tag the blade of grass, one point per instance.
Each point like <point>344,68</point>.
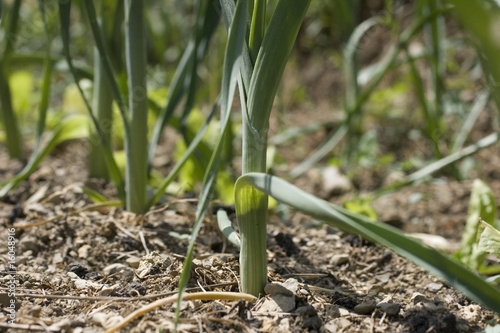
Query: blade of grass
<point>174,96</point>
<point>435,262</point>
<point>448,160</point>
<point>201,7</point>
<point>292,133</point>
<point>442,163</point>
<point>206,21</point>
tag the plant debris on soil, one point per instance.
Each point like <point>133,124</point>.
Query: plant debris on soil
<point>83,267</point>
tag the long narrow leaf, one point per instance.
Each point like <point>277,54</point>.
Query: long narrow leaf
<point>108,68</point>
<point>257,28</point>
<point>271,60</point>
<point>230,75</point>
<point>46,83</point>
<point>189,151</point>
<point>177,88</point>
<point>75,127</point>
<point>64,17</point>
<point>174,96</point>
<point>136,140</point>
<point>433,127</point>
<point>435,262</point>
<point>206,21</point>
<point>365,94</point>
<point>480,17</point>
<point>11,127</point>
<point>351,55</point>
<point>440,164</point>
<point>479,104</point>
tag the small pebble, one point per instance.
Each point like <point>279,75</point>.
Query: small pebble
<point>418,298</point>
<point>334,182</point>
<point>434,287</point>
<point>287,288</point>
<point>390,308</point>
<point>339,259</point>
<point>84,251</point>
<point>29,243</point>
<point>365,307</point>
<point>133,261</point>
<point>125,271</point>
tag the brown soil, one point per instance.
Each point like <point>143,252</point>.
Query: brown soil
<point>77,264</point>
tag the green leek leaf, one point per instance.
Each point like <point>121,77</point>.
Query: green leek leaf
<point>453,271</point>
<point>230,75</point>
<point>64,17</point>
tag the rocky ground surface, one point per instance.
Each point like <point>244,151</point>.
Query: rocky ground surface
<point>84,268</point>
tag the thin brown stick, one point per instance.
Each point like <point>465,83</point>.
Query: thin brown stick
<point>208,296</point>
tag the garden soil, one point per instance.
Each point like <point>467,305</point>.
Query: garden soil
<point>84,268</point>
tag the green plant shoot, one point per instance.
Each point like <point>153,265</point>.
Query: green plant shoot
<point>482,205</point>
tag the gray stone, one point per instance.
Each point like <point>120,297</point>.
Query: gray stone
<point>366,307</point>
<point>125,271</point>
<point>390,308</point>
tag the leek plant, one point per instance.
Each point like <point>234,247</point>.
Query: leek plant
<point>10,124</point>
<point>66,129</point>
<point>252,188</point>
<point>256,60</point>
<point>479,18</point>
<point>270,47</point>
<point>134,114</point>
<point>358,93</point>
<point>136,141</point>
<point>102,100</point>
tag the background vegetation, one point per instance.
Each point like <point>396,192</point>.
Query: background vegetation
<point>119,74</point>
